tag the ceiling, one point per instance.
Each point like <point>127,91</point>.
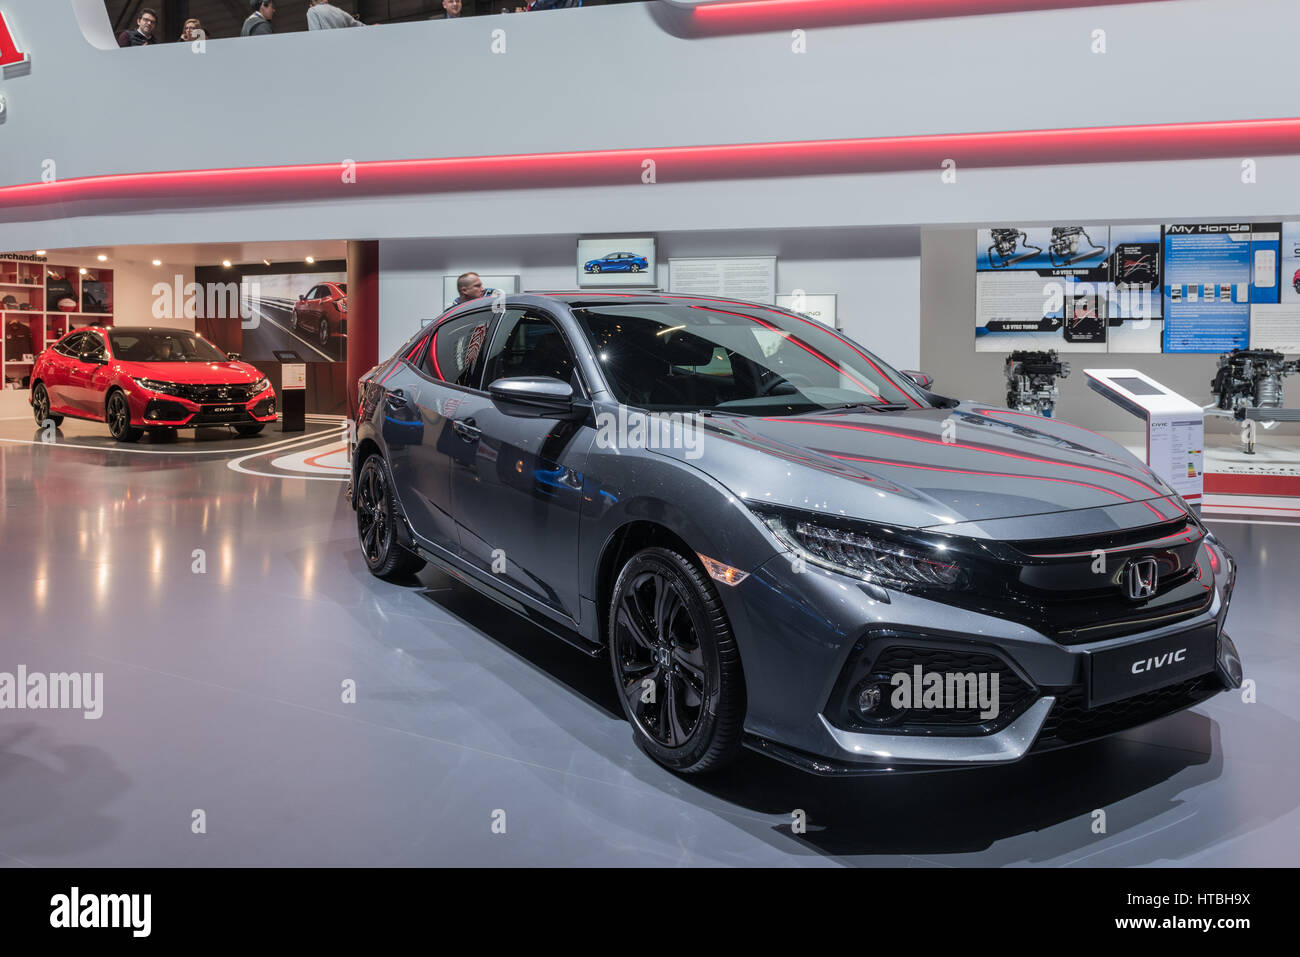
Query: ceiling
<point>203,254</point>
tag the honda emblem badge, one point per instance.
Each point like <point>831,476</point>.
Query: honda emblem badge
<point>1141,577</point>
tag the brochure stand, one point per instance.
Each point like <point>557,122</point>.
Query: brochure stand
<point>1175,426</point>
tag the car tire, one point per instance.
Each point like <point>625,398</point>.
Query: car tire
<point>41,407</point>
<point>293,321</point>
<point>247,431</point>
<point>696,642</point>
<point>596,268</point>
<point>377,518</point>
<point>117,413</point>
<point>323,333</point>
<point>635,268</point>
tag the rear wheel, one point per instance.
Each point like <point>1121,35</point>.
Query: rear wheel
<point>676,664</point>
<point>377,518</point>
<point>118,416</point>
<point>249,430</point>
<point>41,407</point>
<point>323,333</point>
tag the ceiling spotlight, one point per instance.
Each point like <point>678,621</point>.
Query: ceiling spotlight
<point>157,262</point>
<point>266,262</point>
<point>102,258</point>
<point>311,260</point>
<point>226,263</point>
<point>82,270</point>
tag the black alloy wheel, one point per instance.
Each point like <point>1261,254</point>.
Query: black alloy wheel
<point>41,407</point>
<point>293,321</point>
<point>118,415</point>
<point>675,662</point>
<point>323,333</point>
<point>377,523</point>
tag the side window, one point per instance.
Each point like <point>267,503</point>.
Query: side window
<point>456,352</point>
<point>529,344</point>
<point>93,347</point>
<point>313,293</point>
<point>71,346</point>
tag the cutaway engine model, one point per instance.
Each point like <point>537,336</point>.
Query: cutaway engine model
<point>1248,386</point>
<point>1065,246</point>
<point>1003,251</point>
<point>1031,381</point>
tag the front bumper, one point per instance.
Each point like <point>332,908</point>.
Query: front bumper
<point>817,625</point>
<point>160,410</point>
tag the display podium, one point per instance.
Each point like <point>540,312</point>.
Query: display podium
<point>293,397</point>
<point>1175,426</point>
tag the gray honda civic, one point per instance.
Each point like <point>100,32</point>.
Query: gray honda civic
<point>779,541</point>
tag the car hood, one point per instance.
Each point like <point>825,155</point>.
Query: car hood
<point>962,470</point>
<point>193,373</point>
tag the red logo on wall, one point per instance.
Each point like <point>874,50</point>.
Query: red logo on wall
<point>9,52</point>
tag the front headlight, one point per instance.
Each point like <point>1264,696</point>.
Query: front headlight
<point>875,556</point>
<point>260,386</point>
<point>153,385</point>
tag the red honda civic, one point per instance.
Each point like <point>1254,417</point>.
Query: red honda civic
<point>137,378</point>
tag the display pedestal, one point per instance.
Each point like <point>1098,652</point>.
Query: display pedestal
<point>293,397</point>
<point>1175,426</point>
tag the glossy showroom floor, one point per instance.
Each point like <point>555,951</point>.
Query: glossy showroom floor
<point>222,693</point>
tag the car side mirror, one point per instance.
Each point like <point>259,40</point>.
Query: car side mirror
<point>234,356</point>
<point>920,378</point>
<point>533,397</point>
<point>302,298</point>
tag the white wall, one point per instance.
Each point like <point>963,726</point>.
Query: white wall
<point>878,305</point>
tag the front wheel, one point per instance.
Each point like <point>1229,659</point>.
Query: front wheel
<point>118,414</point>
<point>377,518</point>
<point>293,321</point>
<point>676,664</point>
<point>41,407</point>
<point>596,268</point>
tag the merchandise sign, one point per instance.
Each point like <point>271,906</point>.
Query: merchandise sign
<point>293,375</point>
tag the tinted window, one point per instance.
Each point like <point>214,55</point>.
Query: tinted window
<point>93,347</point>
<point>163,345</point>
<point>71,345</point>
<point>455,355</point>
<point>529,344</point>
<point>743,358</point>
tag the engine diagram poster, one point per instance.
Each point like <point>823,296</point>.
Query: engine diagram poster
<point>1209,274</point>
<point>1042,287</point>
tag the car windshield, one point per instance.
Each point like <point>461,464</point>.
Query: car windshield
<point>163,345</point>
<point>750,359</point>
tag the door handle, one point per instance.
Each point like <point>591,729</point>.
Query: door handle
<point>467,430</point>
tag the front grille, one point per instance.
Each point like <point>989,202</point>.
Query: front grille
<point>214,393</point>
<point>1057,587</point>
<point>1014,694</point>
<point>1072,722</point>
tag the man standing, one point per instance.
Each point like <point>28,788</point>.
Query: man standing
<point>470,287</point>
<point>323,15</point>
<point>142,35</point>
<point>258,23</point>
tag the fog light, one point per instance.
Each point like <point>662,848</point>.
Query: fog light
<point>869,699</point>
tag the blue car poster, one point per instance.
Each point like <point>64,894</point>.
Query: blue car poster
<point>617,261</point>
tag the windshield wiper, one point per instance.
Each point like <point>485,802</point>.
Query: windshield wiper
<point>870,406</point>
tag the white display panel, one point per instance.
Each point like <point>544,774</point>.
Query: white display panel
<point>736,277</point>
<point>819,307</point>
<point>1175,426</point>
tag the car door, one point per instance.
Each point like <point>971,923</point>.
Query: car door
<point>517,482</point>
<point>57,373</point>
<point>309,311</point>
<point>422,400</point>
<point>82,372</point>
